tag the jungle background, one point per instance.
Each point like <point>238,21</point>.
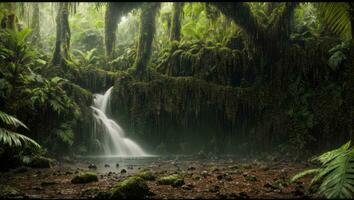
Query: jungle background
<point>271,80</point>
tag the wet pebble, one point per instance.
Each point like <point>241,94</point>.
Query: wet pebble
<point>123,171</point>
<point>92,166</point>
<point>214,189</point>
<point>107,165</point>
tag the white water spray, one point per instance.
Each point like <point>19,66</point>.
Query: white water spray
<point>114,142</point>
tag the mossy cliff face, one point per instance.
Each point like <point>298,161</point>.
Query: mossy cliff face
<point>283,107</point>
<point>183,112</point>
<point>217,64</point>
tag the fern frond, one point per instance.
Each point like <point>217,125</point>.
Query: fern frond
<point>336,174</point>
<point>304,173</point>
<point>15,139</point>
<point>10,120</point>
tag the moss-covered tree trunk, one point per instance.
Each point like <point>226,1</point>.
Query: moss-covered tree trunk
<point>111,24</point>
<point>146,36</point>
<point>177,13</point>
<point>9,20</point>
<point>35,35</point>
<point>62,43</point>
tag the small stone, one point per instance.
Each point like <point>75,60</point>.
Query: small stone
<point>123,171</point>
<point>214,188</point>
<point>243,195</point>
<point>219,177</point>
<point>205,174</point>
<point>37,188</point>
<point>234,167</point>
<point>48,183</point>
<point>191,168</point>
<point>21,169</point>
<point>92,166</point>
<point>196,177</point>
<point>107,165</point>
<point>117,165</point>
<point>251,178</point>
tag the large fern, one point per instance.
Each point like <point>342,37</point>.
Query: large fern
<point>336,174</point>
<point>12,138</point>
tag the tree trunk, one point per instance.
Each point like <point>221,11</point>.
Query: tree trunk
<point>35,35</point>
<point>62,44</point>
<point>176,21</point>
<point>111,24</point>
<point>146,36</point>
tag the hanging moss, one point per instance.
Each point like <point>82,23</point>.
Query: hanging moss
<point>153,109</point>
<point>217,64</point>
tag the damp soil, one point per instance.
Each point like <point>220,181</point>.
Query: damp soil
<point>206,179</point>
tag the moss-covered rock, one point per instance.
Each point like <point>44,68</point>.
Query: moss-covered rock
<point>174,180</point>
<point>85,177</point>
<point>131,188</point>
<point>8,191</point>
<point>146,174</point>
<point>40,162</point>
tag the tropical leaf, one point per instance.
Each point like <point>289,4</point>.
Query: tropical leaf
<point>15,139</point>
<point>336,174</point>
<point>10,120</point>
<point>304,173</point>
<point>12,138</point>
<point>336,15</point>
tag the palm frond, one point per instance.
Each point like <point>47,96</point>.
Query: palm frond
<point>10,120</point>
<point>15,139</point>
<point>337,17</point>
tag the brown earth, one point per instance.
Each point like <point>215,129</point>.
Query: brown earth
<point>205,179</point>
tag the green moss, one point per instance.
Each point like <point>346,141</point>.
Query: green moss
<point>174,180</point>
<point>146,174</point>
<point>8,191</point>
<point>85,177</point>
<point>40,162</point>
<point>131,188</point>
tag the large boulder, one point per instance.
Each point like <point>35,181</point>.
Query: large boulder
<point>131,188</point>
<point>174,180</point>
<point>85,177</point>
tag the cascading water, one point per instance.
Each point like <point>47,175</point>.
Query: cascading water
<point>114,140</point>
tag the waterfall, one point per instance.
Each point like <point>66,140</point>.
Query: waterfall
<point>114,140</point>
